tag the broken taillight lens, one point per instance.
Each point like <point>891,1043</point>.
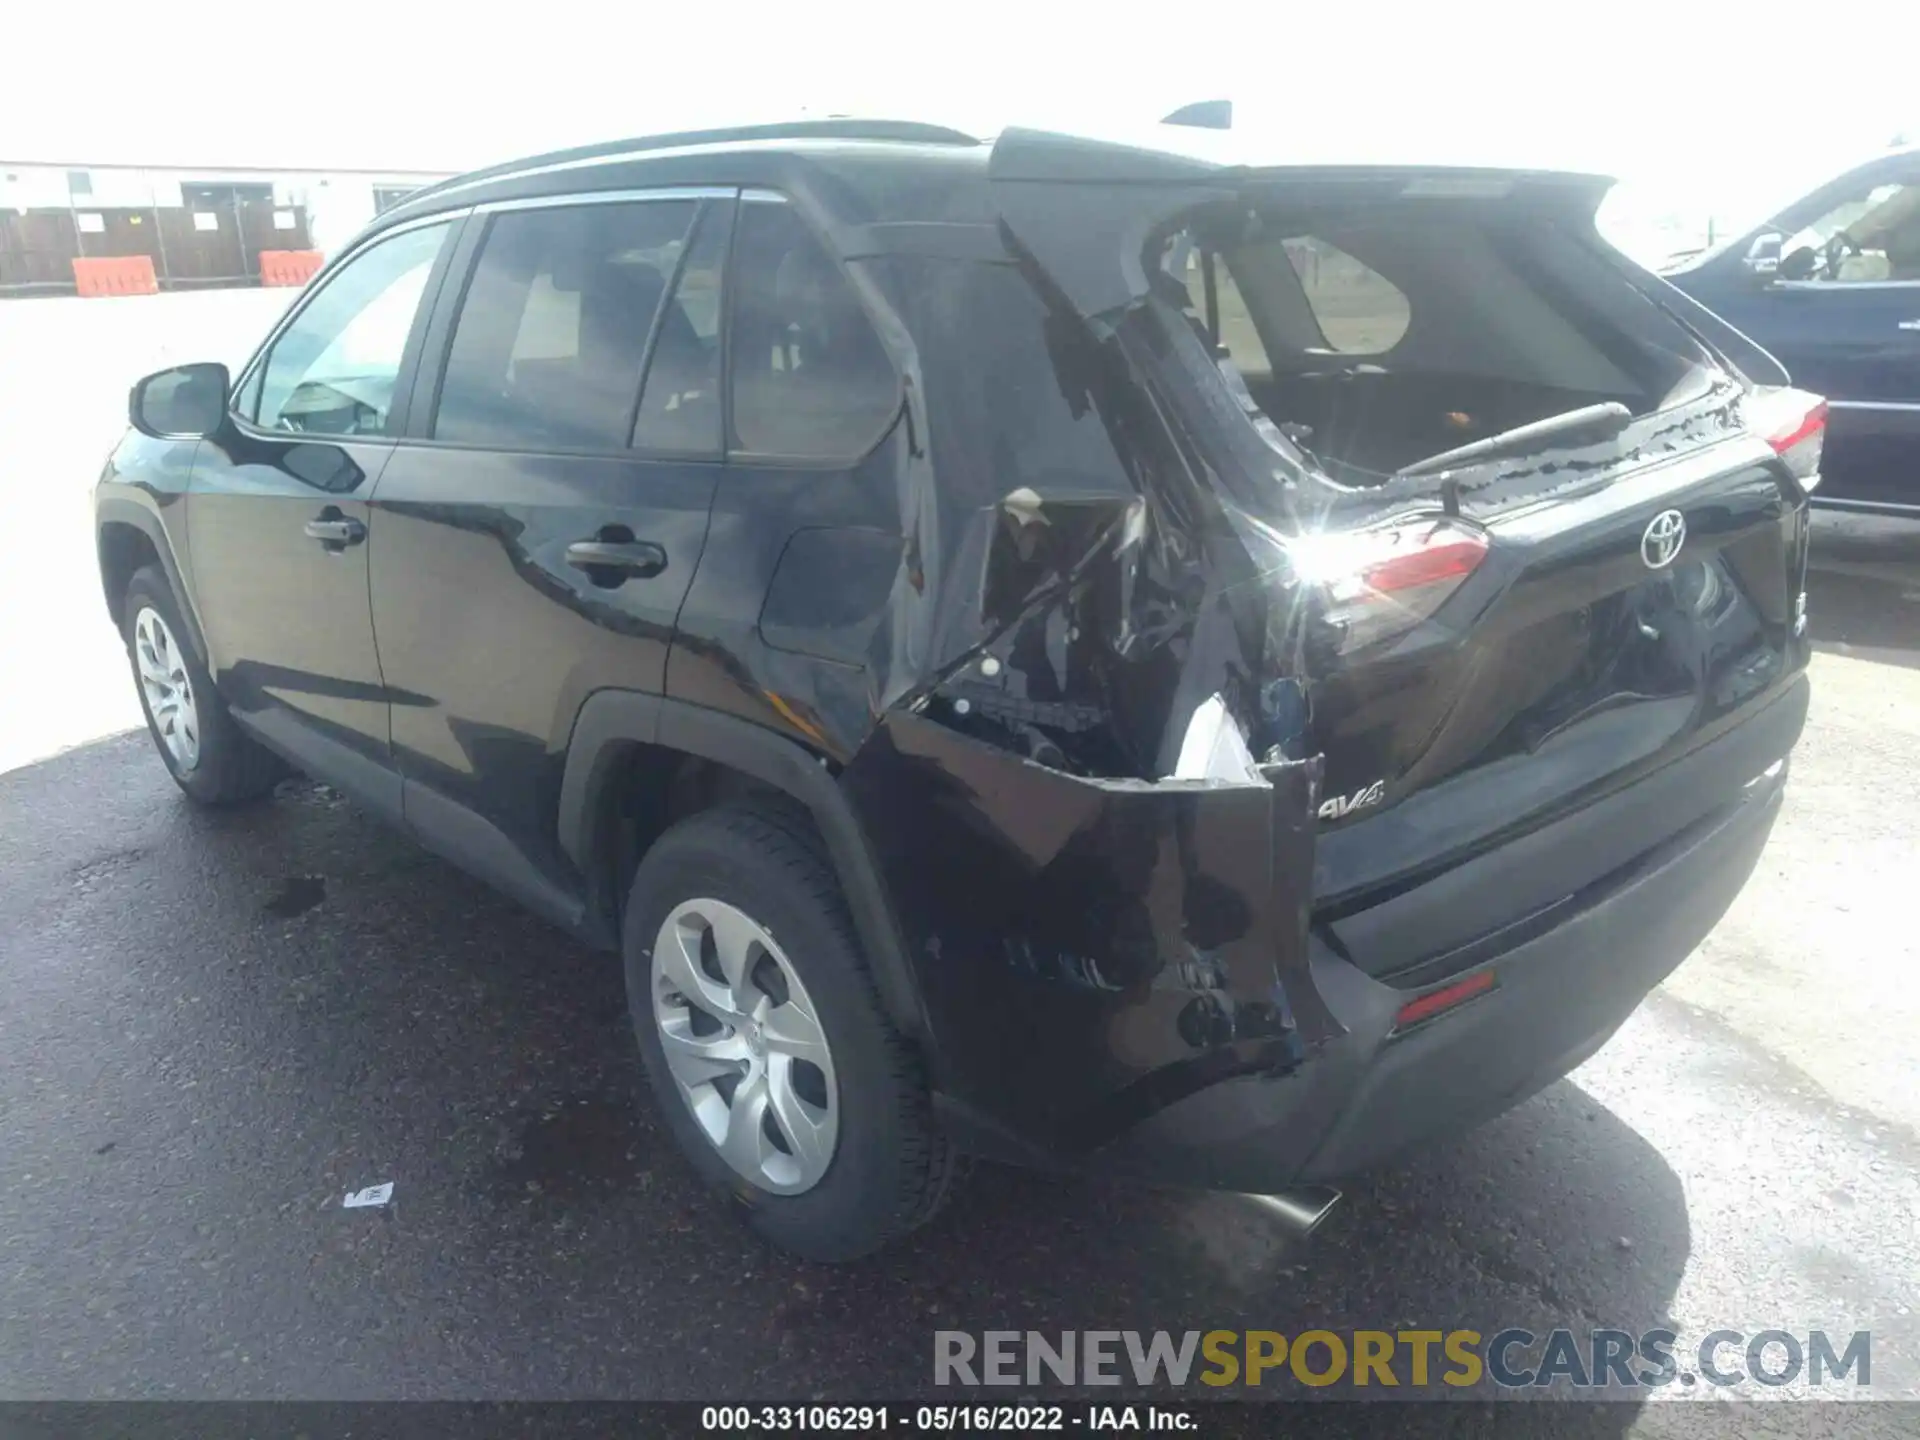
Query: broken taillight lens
<point>1382,582</point>
<point>1795,425</point>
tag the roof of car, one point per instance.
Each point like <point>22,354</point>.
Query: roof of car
<point>868,161</point>
<point>882,170</point>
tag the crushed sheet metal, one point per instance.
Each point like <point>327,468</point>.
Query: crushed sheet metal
<point>1162,924</point>
<point>1075,751</point>
<point>1077,598</point>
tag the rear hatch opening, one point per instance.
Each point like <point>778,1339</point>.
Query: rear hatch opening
<point>1469,442</point>
<point>1475,342</point>
<point>1417,483</point>
<point>1266,647</point>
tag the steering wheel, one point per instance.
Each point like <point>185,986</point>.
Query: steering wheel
<point>1836,251</point>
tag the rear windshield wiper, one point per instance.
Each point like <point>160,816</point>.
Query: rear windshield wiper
<point>1603,421</point>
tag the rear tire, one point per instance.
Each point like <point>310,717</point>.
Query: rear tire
<point>211,759</point>
<point>711,881</point>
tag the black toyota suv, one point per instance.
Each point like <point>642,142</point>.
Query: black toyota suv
<point>1135,656</point>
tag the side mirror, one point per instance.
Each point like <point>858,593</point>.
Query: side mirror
<point>184,403</point>
<point>1763,256</point>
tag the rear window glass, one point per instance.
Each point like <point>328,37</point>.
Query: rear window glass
<point>1349,308</point>
<point>1360,311</point>
<point>1008,407</point>
<point>1376,336</point>
<point>1439,294</point>
<point>811,379</point>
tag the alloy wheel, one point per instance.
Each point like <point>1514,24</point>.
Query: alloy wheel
<point>745,1046</point>
<point>167,687</point>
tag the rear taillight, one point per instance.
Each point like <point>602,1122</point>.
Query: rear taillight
<point>1795,425</point>
<point>1381,582</point>
<point>1447,997</point>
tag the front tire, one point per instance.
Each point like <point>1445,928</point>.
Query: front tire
<point>765,1041</point>
<point>210,758</point>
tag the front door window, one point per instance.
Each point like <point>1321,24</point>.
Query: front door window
<point>1870,237</point>
<point>332,371</point>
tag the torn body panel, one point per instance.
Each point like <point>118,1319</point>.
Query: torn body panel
<point>1083,710</point>
<point>1070,589</point>
<point>1093,949</point>
<point>1025,554</point>
<point>1122,976</point>
<point>1104,893</point>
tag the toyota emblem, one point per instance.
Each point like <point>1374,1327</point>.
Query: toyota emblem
<point>1665,535</point>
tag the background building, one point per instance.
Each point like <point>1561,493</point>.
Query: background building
<point>202,226</point>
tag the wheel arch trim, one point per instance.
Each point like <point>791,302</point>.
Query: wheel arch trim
<point>117,510</point>
<point>612,721</point>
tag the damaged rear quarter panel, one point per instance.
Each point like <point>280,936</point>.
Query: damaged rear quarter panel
<point>1092,949</point>
<point>1092,946</point>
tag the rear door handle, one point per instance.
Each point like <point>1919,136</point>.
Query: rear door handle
<point>637,558</point>
<point>336,530</point>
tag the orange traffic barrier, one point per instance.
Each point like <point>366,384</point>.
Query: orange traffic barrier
<point>115,275</point>
<point>288,267</point>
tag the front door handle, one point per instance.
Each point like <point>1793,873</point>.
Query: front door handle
<point>335,530</point>
<point>639,559</point>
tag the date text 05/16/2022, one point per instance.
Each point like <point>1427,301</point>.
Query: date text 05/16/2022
<point>939,1419</point>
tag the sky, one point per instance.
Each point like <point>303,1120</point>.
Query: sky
<point>1721,108</point>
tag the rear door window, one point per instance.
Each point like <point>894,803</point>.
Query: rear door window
<point>552,333</point>
<point>810,378</point>
<point>680,409</point>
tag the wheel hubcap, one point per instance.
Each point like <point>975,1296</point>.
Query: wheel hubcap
<point>167,688</point>
<point>744,1043</point>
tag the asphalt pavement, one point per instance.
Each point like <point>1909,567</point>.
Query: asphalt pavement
<point>212,1027</point>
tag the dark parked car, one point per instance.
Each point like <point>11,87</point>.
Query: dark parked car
<point>1831,287</point>
<point>1096,655</point>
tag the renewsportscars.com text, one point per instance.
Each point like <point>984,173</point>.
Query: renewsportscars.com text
<point>1511,1359</point>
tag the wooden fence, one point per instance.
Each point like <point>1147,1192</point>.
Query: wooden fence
<point>189,246</point>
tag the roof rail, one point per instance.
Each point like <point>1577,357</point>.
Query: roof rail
<point>832,128</point>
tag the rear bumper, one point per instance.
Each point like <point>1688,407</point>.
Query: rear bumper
<point>1126,977</point>
<point>1372,1093</point>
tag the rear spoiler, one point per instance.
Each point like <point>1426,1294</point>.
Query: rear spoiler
<point>1084,207</point>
